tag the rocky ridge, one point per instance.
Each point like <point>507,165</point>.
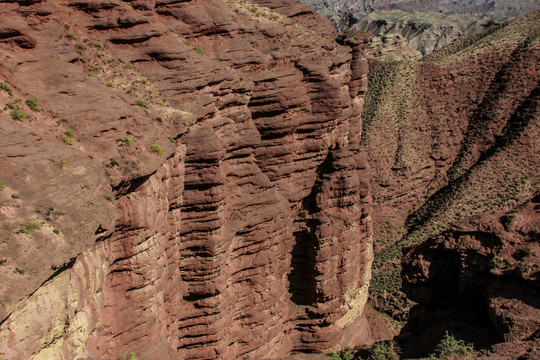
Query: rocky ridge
<point>426,25</point>
<point>184,181</point>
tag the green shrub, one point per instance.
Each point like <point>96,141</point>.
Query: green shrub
<point>71,35</point>
<point>131,356</point>
<point>450,346</point>
<point>19,271</point>
<point>145,81</point>
<point>109,83</point>
<point>385,350</point>
<point>496,262</point>
<point>62,164</point>
<point>156,148</point>
<point>128,66</point>
<point>171,139</point>
<point>18,114</point>
<point>108,197</point>
<point>199,50</point>
<point>335,356</point>
<point>126,141</point>
<point>33,103</point>
<point>141,103</point>
<point>56,231</point>
<point>65,139</point>
<point>6,88</point>
<point>98,44</point>
<point>33,224</point>
<point>70,133</point>
<point>30,225</point>
<point>2,185</point>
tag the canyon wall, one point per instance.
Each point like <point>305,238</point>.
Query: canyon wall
<point>448,137</point>
<point>187,182</point>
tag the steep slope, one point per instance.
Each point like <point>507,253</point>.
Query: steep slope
<point>180,179</point>
<point>453,135</point>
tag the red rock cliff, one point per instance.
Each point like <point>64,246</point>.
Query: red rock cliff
<point>194,176</point>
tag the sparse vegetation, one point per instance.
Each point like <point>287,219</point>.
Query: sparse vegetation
<point>109,83</point>
<point>80,48</point>
<point>385,350</point>
<point>450,347</point>
<point>496,262</point>
<point>33,104</point>
<point>5,88</point>
<point>62,164</point>
<point>141,103</point>
<point>65,139</point>
<point>131,356</point>
<point>71,35</point>
<point>156,148</point>
<point>108,197</point>
<point>30,225</point>
<point>126,141</point>
<point>199,50</point>
<point>2,185</point>
<point>20,271</point>
<point>18,114</point>
<point>335,356</point>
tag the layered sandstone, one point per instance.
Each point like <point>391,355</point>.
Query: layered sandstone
<point>214,202</point>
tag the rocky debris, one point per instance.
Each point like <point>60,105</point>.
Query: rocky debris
<point>479,280</point>
<point>205,158</point>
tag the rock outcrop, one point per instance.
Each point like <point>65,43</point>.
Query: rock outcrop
<point>184,181</point>
<point>479,280</point>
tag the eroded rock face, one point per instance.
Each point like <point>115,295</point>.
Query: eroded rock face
<point>480,280</point>
<point>215,203</point>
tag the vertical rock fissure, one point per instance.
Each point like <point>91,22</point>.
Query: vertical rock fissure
<point>302,284</point>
